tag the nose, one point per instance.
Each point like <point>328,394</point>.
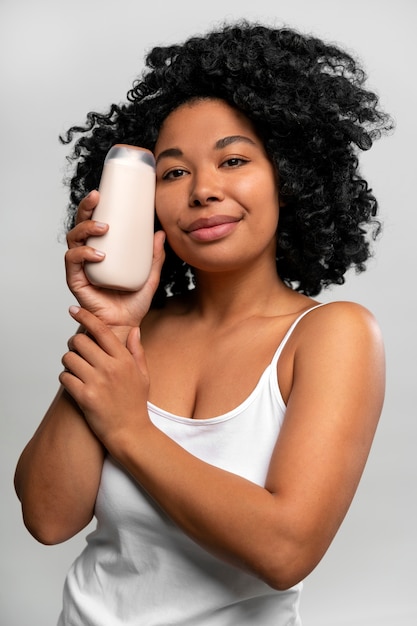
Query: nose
<point>206,188</point>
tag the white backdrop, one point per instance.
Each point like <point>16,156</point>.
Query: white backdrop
<point>62,59</point>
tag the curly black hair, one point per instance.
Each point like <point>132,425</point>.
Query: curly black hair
<point>307,101</point>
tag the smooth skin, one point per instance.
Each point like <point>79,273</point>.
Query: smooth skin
<point>218,201</point>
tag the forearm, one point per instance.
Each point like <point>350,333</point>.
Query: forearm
<point>233,518</point>
<point>228,515</point>
<point>58,473</point>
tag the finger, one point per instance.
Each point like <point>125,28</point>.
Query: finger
<point>87,206</point>
<point>75,258</point>
<point>104,337</point>
<point>78,235</point>
<point>74,266</point>
<point>85,346</point>
<point>71,383</point>
<point>76,365</point>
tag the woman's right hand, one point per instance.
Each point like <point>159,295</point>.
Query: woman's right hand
<point>114,308</point>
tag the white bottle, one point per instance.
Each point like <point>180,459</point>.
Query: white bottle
<point>127,205</point>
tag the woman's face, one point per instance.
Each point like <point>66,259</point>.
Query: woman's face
<point>216,192</point>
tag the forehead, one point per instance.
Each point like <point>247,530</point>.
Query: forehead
<point>203,119</point>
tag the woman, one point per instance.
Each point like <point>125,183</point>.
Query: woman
<point>220,445</point>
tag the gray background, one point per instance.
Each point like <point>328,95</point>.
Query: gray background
<point>62,59</point>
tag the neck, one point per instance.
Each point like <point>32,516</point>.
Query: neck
<point>227,297</point>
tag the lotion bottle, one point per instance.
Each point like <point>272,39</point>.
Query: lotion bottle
<point>127,205</point>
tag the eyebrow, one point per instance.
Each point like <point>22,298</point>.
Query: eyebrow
<point>220,143</point>
<point>170,152</point>
<point>226,141</point>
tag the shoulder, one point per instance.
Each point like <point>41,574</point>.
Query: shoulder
<point>339,320</point>
<point>337,339</point>
<point>343,315</point>
<point>335,364</point>
<point>342,333</point>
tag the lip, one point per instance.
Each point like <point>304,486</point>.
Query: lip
<point>212,228</point>
<point>210,222</point>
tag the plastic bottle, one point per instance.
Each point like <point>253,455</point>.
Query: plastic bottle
<point>127,205</point>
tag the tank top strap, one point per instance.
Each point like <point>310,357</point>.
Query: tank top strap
<point>290,331</point>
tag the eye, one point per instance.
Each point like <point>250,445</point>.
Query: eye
<point>234,162</point>
<point>175,173</point>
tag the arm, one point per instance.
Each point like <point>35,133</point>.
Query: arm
<point>279,532</point>
<point>58,473</point>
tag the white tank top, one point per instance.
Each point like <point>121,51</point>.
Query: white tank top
<point>140,569</point>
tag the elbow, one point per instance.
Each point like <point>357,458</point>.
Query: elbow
<point>282,568</point>
<point>45,539</point>
<point>51,525</point>
<point>52,531</point>
<point>46,534</point>
<point>282,582</point>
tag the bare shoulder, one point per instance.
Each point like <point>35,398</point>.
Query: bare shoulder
<point>339,322</point>
<point>342,310</point>
<point>338,342</point>
<point>331,344</point>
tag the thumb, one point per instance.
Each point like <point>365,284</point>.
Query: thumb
<point>135,348</point>
<point>157,260</point>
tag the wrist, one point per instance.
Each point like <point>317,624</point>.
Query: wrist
<point>128,445</point>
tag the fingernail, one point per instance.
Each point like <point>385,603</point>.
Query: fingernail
<point>74,309</point>
<point>99,253</point>
<point>100,225</point>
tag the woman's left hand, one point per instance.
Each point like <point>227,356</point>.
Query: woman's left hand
<point>108,380</point>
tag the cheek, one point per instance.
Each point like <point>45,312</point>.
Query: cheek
<point>265,195</point>
<point>262,188</point>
